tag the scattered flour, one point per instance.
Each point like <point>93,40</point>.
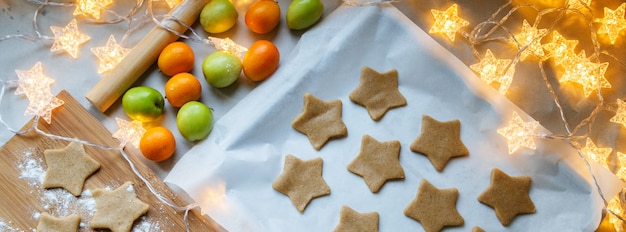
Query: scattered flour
<point>60,203</point>
<point>6,226</point>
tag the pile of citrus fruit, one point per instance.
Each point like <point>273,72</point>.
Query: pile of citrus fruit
<point>220,69</point>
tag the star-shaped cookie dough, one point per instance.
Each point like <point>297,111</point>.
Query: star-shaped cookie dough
<point>353,221</point>
<point>508,196</point>
<point>68,168</point>
<point>439,141</point>
<point>378,92</point>
<point>301,181</point>
<point>48,222</point>
<point>434,208</point>
<point>320,120</point>
<point>377,162</point>
<point>117,209</point>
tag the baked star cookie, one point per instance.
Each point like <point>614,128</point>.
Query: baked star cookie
<point>439,141</point>
<point>434,208</point>
<point>301,181</point>
<point>320,120</point>
<point>377,162</point>
<point>508,196</point>
<point>117,209</point>
<point>353,221</point>
<point>68,168</point>
<point>48,223</point>
<point>378,92</point>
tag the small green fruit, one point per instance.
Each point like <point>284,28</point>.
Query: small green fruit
<point>218,16</point>
<point>194,121</point>
<point>304,13</point>
<point>143,103</point>
<point>221,69</point>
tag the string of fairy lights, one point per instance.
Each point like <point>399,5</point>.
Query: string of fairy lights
<point>587,72</point>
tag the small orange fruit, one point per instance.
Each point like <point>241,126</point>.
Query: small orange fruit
<point>182,88</point>
<point>175,58</point>
<point>157,144</point>
<point>261,60</point>
<point>262,16</point>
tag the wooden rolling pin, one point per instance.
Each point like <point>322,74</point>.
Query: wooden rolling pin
<point>142,56</point>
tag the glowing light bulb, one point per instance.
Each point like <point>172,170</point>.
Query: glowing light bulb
<point>616,206</point>
<point>173,3</point>
<point>560,48</point>
<point>589,75</point>
<point>492,70</point>
<point>530,36</point>
<point>68,39</point>
<point>620,115</point>
<point>36,86</point>
<point>621,173</point>
<point>228,45</point>
<point>578,4</point>
<point>519,133</point>
<point>110,55</point>
<point>129,132</point>
<point>613,22</point>
<point>447,22</point>
<point>599,155</point>
<point>91,7</point>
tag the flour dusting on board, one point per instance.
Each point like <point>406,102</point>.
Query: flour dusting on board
<point>59,202</point>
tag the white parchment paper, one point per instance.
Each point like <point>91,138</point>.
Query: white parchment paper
<point>230,173</point>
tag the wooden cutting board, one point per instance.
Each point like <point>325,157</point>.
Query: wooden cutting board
<point>21,201</point>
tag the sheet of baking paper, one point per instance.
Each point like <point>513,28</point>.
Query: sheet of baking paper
<point>230,173</point>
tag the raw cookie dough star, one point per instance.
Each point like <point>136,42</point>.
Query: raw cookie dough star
<point>301,181</point>
<point>320,120</point>
<point>378,92</point>
<point>434,208</point>
<point>508,196</point>
<point>48,222</point>
<point>377,162</point>
<point>353,221</point>
<point>439,141</point>
<point>117,209</point>
<point>68,168</point>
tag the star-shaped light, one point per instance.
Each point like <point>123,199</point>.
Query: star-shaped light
<point>91,7</point>
<point>228,45</point>
<point>596,154</point>
<point>578,4</point>
<point>560,48</point>
<point>621,173</point>
<point>129,132</point>
<point>490,69</point>
<point>530,36</point>
<point>581,70</point>
<point>68,39</point>
<point>447,22</point>
<point>36,86</point>
<point>519,133</point>
<point>613,22</point>
<point>109,55</point>
<point>620,115</point>
<point>616,205</point>
<point>173,3</point>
